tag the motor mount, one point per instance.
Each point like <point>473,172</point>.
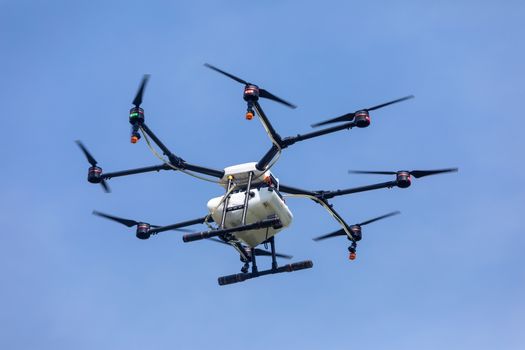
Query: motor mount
<point>95,174</point>
<point>356,232</point>
<point>136,119</point>
<point>250,95</point>
<point>362,119</point>
<point>143,230</point>
<point>403,179</point>
<point>136,116</point>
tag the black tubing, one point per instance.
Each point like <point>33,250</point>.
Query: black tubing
<point>194,236</point>
<point>301,265</point>
<point>238,277</point>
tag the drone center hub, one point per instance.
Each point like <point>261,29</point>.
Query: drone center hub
<point>403,179</point>
<point>95,174</point>
<point>143,230</point>
<point>362,119</point>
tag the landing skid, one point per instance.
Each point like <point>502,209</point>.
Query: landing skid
<point>241,277</point>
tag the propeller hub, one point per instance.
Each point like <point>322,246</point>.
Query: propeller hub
<point>356,232</point>
<point>362,119</point>
<point>251,93</point>
<point>143,230</point>
<point>94,174</point>
<point>403,179</point>
<point>136,116</point>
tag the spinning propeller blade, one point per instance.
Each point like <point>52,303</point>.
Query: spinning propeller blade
<point>415,173</point>
<point>262,92</point>
<point>350,116</point>
<point>105,186</point>
<point>131,223</point>
<point>344,118</point>
<point>372,172</point>
<point>137,101</point>
<point>390,103</point>
<point>231,76</point>
<point>91,160</point>
<point>88,155</point>
<point>420,173</point>
<point>379,218</point>
<point>262,252</point>
<point>342,232</point>
<point>268,95</point>
<point>125,222</point>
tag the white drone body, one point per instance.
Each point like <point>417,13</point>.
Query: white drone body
<point>264,202</point>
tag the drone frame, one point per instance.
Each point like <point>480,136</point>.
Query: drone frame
<point>278,144</point>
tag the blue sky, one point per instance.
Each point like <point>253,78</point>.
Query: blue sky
<point>447,273</point>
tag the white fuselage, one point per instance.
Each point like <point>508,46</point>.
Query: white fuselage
<point>264,202</point>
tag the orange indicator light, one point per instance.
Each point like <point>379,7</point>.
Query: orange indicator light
<point>249,116</point>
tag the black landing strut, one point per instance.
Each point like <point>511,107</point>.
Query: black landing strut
<point>241,277</point>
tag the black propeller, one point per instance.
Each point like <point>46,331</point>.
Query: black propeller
<point>137,101</point>
<point>262,92</point>
<point>356,229</point>
<point>262,252</point>
<point>258,252</point>
<point>96,170</point>
<point>143,228</point>
<point>131,223</point>
<point>397,212</point>
<point>415,173</point>
<point>349,116</point>
<point>125,222</point>
<point>339,232</point>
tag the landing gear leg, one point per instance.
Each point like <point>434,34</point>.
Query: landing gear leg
<point>245,275</point>
<point>245,267</point>
<point>274,259</point>
<point>254,263</point>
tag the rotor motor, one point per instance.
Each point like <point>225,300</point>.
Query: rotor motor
<point>403,179</point>
<point>136,119</point>
<point>95,175</point>
<point>362,119</point>
<point>356,232</point>
<point>143,230</point>
<point>251,95</point>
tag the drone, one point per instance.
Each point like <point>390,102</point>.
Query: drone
<point>252,210</point>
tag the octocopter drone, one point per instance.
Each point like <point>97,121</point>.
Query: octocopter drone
<point>252,210</point>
